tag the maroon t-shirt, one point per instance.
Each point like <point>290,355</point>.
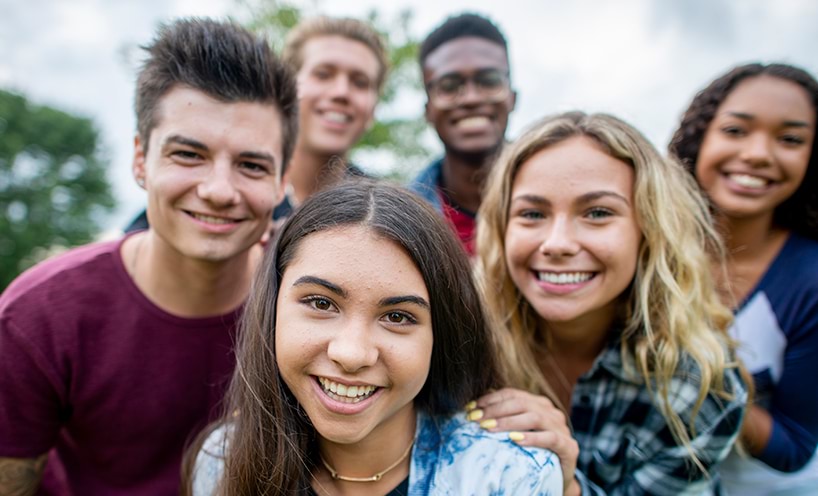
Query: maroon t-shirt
<point>112,386</point>
<point>462,221</point>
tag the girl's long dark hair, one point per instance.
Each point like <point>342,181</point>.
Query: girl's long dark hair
<point>799,213</point>
<point>272,442</point>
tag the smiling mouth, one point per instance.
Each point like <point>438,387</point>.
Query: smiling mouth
<point>474,122</point>
<point>749,181</point>
<point>211,219</point>
<point>345,394</point>
<point>565,278</point>
<point>336,117</point>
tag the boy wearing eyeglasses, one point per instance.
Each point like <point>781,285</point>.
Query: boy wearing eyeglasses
<point>469,96</point>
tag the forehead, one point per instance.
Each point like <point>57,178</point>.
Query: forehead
<point>357,259</point>
<point>465,55</point>
<point>243,125</point>
<point>772,97</point>
<point>339,51</point>
<point>571,168</point>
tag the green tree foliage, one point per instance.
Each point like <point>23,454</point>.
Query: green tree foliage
<point>53,187</point>
<point>395,136</point>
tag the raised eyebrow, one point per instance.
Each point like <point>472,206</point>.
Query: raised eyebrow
<point>596,195</point>
<point>749,117</point>
<point>303,280</point>
<point>184,140</point>
<point>796,124</point>
<point>535,199</point>
<point>397,300</point>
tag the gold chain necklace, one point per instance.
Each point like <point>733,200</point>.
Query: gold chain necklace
<point>335,475</point>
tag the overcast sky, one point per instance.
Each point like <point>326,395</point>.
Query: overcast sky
<point>639,59</point>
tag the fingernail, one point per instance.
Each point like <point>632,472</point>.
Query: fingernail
<point>488,424</point>
<point>516,436</point>
<point>471,405</point>
<point>476,414</point>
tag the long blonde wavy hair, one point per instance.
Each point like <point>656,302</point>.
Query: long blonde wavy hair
<point>671,309</point>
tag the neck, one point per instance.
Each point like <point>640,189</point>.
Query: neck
<point>376,452</point>
<point>579,341</point>
<point>463,177</point>
<point>745,237</point>
<point>311,172</point>
<point>187,287</point>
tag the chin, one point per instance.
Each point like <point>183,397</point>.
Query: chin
<point>474,153</point>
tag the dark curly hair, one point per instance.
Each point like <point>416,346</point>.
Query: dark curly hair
<point>799,213</point>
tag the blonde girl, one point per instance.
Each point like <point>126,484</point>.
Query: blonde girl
<point>595,262</point>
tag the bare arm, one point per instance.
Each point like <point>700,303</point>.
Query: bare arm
<point>20,476</point>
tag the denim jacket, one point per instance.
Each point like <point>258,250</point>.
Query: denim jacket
<point>451,456</point>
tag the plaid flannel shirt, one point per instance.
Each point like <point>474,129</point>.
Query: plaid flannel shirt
<point>625,443</point>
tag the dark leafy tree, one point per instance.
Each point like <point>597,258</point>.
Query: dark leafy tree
<point>54,191</point>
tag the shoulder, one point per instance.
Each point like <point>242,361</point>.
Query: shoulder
<point>467,459</point>
<point>209,465</point>
<point>787,296</point>
<point>64,276</point>
<point>428,177</point>
<point>796,266</point>
<point>717,415</point>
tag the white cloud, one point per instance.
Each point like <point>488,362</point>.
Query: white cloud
<point>640,59</point>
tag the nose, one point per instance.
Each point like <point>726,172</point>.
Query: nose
<point>353,347</point>
<point>217,187</point>
<point>560,239</point>
<point>340,87</point>
<point>756,150</point>
<point>470,94</point>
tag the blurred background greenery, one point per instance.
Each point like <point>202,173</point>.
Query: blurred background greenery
<point>55,190</point>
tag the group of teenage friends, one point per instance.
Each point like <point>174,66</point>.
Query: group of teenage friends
<point>573,312</point>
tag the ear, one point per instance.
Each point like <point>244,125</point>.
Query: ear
<point>513,100</point>
<point>426,110</point>
<point>138,165</point>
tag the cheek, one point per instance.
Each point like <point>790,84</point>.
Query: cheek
<point>417,358</point>
<point>519,245</point>
<point>261,195</point>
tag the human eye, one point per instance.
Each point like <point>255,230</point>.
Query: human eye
<point>185,155</point>
<point>490,79</point>
<point>361,82</point>
<point>319,303</point>
<point>399,317</point>
<point>450,85</point>
<point>530,214</point>
<point>254,168</point>
<point>322,73</point>
<point>792,139</point>
<point>733,130</point>
<point>599,213</point>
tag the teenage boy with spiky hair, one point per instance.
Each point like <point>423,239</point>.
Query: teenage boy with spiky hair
<point>115,354</point>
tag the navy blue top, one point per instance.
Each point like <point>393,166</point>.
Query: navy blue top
<point>777,328</point>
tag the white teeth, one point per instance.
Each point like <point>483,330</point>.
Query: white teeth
<point>336,117</point>
<point>564,277</point>
<point>473,122</point>
<point>211,220</point>
<point>748,181</point>
<point>344,393</point>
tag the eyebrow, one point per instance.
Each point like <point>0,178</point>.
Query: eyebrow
<point>184,140</point>
<point>749,117</point>
<point>397,300</point>
<point>303,280</point>
<point>586,198</point>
